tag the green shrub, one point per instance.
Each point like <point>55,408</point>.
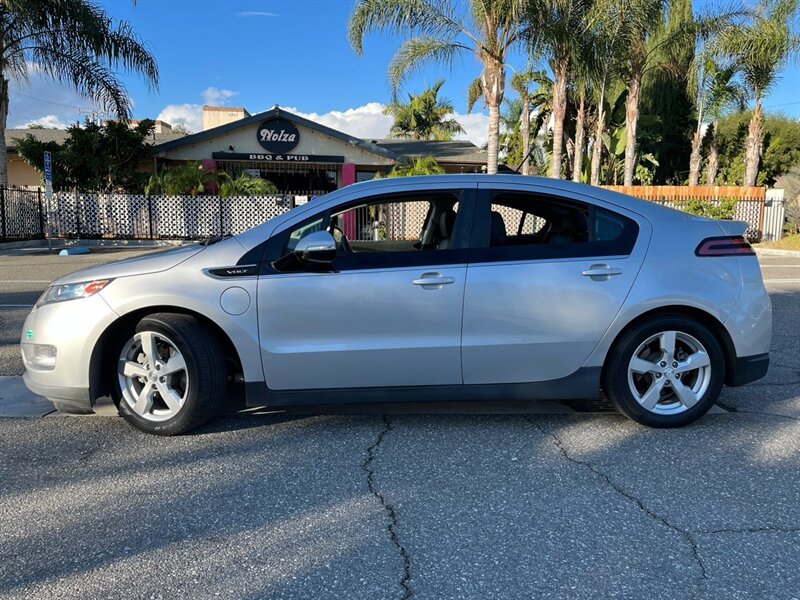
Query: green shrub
<point>723,211</point>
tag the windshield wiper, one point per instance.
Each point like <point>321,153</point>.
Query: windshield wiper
<point>214,239</point>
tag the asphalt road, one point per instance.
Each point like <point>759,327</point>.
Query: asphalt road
<point>429,506</point>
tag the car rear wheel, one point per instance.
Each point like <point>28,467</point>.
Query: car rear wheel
<point>170,374</point>
<point>666,372</point>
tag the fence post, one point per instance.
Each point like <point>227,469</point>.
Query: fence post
<point>150,214</point>
<point>3,211</point>
<point>221,224</point>
<point>78,213</point>
<point>41,212</point>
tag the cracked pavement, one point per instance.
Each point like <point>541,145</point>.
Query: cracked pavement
<point>414,505</point>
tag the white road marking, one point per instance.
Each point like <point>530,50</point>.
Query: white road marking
<point>780,266</point>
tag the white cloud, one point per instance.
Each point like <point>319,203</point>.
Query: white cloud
<point>49,121</point>
<point>476,126</point>
<point>367,122</point>
<point>42,98</point>
<point>214,96</point>
<point>256,13</point>
<point>189,115</point>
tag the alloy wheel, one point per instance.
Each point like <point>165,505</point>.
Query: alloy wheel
<point>669,372</point>
<point>152,376</point>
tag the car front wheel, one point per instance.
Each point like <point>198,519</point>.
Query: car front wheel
<point>170,374</point>
<point>666,372</point>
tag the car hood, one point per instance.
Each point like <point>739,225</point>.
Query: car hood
<point>138,265</point>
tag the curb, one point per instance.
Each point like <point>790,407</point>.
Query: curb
<point>776,252</point>
<point>61,244</point>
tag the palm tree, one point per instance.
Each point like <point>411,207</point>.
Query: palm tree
<point>438,33</point>
<point>606,21</point>
<point>725,92</point>
<point>584,70</point>
<point>424,117</point>
<point>714,89</point>
<point>761,49</point>
<point>520,83</point>
<point>559,35</point>
<point>421,165</point>
<point>75,43</point>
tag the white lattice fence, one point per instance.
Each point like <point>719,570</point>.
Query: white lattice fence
<point>92,215</point>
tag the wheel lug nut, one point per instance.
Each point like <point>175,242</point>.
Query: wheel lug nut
<point>162,379</point>
<point>675,364</point>
<point>663,363</point>
<point>658,375</point>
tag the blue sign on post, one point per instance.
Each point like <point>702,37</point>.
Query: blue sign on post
<point>48,191</point>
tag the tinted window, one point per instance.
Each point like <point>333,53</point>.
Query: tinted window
<point>390,230</point>
<point>518,226</point>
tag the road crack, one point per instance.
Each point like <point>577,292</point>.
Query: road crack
<point>748,530</point>
<point>686,534</point>
<point>388,507</point>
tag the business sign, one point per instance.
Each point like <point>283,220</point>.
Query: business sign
<point>48,194</point>
<point>280,158</point>
<point>278,136</point>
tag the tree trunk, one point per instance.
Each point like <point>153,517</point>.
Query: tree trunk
<point>695,158</point>
<point>631,122</point>
<point>493,81</point>
<point>713,157</point>
<point>752,154</point>
<point>526,136</point>
<point>597,146</point>
<point>577,163</point>
<point>559,114</point>
<point>3,123</point>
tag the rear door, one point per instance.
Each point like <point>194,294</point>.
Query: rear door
<point>547,274</point>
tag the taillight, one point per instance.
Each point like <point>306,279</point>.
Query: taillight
<point>733,245</point>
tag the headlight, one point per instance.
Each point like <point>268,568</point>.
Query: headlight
<point>72,291</point>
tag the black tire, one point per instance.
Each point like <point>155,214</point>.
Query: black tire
<point>205,373</point>
<point>615,374</point>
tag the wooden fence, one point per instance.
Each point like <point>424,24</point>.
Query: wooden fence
<point>749,205</point>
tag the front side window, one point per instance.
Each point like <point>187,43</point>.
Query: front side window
<point>391,230</point>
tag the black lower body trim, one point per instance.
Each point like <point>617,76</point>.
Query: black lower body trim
<point>748,369</point>
<point>584,384</point>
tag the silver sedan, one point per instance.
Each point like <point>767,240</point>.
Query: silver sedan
<point>446,288</point>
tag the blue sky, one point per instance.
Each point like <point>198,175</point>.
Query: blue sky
<point>261,52</point>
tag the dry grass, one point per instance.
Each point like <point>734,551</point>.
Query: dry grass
<point>789,242</point>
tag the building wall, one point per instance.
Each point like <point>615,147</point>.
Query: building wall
<point>214,116</point>
<point>244,140</point>
<point>21,174</point>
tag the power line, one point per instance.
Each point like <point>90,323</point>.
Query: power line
<point>78,108</point>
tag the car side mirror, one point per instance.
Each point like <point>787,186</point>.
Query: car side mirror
<point>316,248</point>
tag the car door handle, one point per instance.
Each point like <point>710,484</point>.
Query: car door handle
<point>601,272</point>
<point>433,279</point>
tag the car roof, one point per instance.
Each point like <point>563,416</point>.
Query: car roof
<point>644,207</point>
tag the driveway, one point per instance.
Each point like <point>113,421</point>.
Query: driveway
<point>414,505</point>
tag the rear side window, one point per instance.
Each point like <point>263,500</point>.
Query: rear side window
<point>525,226</point>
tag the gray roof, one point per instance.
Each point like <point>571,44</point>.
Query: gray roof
<point>452,151</point>
<point>275,113</point>
<point>59,135</point>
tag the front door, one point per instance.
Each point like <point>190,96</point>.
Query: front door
<point>388,312</point>
<point>545,281</point>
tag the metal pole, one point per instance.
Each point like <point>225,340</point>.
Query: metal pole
<point>41,211</point>
<point>48,196</point>
<point>3,210</point>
